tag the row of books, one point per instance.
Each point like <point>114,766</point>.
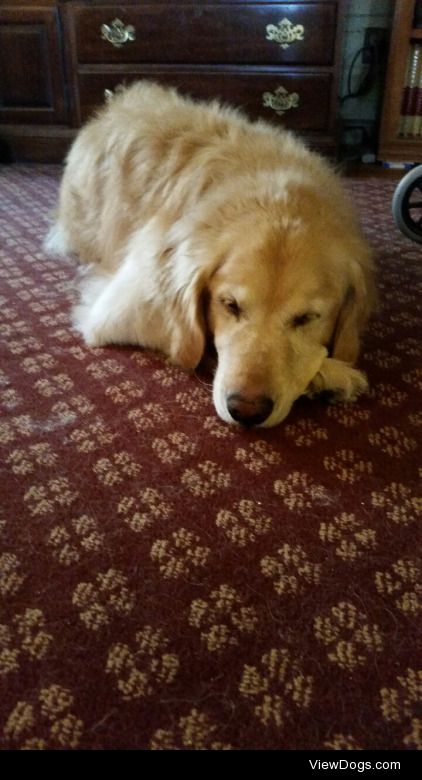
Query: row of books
<point>411,106</point>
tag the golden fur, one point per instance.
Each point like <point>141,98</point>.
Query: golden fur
<point>196,222</point>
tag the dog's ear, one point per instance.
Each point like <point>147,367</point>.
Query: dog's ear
<point>358,302</point>
<point>187,342</point>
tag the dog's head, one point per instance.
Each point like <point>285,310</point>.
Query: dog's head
<point>280,294</point>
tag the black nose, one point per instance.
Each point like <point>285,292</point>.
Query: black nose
<point>249,411</point>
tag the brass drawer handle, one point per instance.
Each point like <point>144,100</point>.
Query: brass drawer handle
<point>117,33</point>
<point>280,100</point>
<point>110,93</point>
<point>285,33</point>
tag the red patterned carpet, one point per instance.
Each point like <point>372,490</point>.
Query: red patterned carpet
<point>169,582</point>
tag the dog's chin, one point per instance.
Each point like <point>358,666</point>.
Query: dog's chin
<point>277,416</point>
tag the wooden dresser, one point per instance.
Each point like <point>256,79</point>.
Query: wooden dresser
<point>278,61</point>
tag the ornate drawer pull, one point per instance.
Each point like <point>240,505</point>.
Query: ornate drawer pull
<point>285,33</point>
<point>117,33</point>
<point>110,93</point>
<point>280,100</point>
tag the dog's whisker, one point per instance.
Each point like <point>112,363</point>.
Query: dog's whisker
<point>202,382</point>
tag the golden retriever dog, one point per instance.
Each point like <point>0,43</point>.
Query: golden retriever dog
<point>196,224</point>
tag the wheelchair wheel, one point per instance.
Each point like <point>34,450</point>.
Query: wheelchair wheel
<point>407,204</point>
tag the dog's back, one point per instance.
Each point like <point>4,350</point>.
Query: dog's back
<point>151,150</point>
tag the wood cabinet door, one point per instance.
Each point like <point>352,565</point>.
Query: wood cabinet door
<point>31,72</point>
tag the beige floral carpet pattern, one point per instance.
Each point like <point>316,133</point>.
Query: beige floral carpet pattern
<point>170,582</point>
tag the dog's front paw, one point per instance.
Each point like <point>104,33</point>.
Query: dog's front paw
<point>93,339</point>
<point>92,335</point>
<point>338,382</point>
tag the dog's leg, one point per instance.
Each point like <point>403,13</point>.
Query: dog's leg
<point>338,381</point>
<point>57,242</point>
<point>113,309</point>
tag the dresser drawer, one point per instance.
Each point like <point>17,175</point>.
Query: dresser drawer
<point>292,99</point>
<point>253,33</point>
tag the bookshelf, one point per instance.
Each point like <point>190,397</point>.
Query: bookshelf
<point>398,140</point>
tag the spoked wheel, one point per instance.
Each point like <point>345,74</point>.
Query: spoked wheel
<point>407,204</point>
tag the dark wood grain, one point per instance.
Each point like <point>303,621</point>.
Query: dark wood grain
<point>31,76</point>
<point>244,88</point>
<point>188,33</point>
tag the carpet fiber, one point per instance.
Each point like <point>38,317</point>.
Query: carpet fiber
<point>170,582</point>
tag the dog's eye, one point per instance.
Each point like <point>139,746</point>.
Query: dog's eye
<point>303,319</point>
<point>232,306</point>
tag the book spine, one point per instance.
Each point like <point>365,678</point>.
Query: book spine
<point>417,123</point>
<point>411,90</point>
